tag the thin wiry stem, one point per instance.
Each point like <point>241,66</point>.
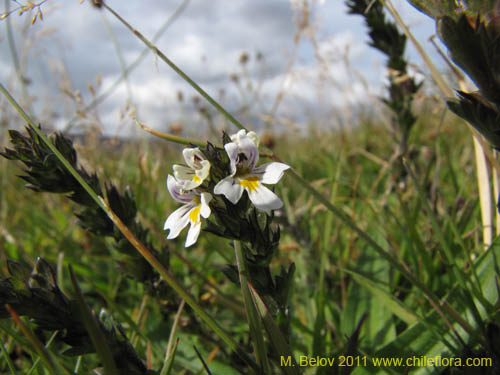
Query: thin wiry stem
<point>170,137</point>
<point>170,63</point>
<point>13,51</point>
<point>119,53</point>
<point>496,192</point>
<point>53,366</point>
<point>105,94</point>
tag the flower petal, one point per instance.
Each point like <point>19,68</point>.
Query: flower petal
<point>232,151</point>
<point>229,188</point>
<point>249,148</point>
<point>254,137</point>
<point>190,178</point>
<point>235,137</point>
<point>193,233</point>
<point>183,173</point>
<point>264,199</point>
<point>205,208</point>
<point>193,157</point>
<point>177,191</point>
<point>204,170</point>
<point>270,173</point>
<point>197,161</point>
<point>177,221</point>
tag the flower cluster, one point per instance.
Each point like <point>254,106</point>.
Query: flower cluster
<point>191,184</point>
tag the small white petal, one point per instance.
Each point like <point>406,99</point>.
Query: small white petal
<point>193,233</point>
<point>204,170</point>
<point>254,137</point>
<point>264,199</point>
<point>176,190</point>
<point>232,151</point>
<point>230,189</point>
<point>235,137</point>
<point>190,178</point>
<point>205,208</point>
<point>270,173</point>
<point>190,155</point>
<point>177,221</point>
<point>195,159</point>
<point>249,148</point>
<point>183,173</point>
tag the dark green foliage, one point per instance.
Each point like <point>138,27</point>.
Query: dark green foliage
<point>37,296</point>
<point>435,8</point>
<point>352,346</point>
<point>491,351</point>
<point>479,113</point>
<point>45,173</point>
<point>386,37</point>
<point>474,45</point>
<point>452,8</point>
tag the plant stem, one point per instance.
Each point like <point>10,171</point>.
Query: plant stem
<point>254,323</point>
<point>496,192</point>
<point>53,366</point>
<point>485,198</point>
<point>13,52</point>
<point>170,137</point>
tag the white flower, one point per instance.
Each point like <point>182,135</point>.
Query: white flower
<point>196,171</point>
<point>195,206</point>
<point>252,135</point>
<point>244,155</point>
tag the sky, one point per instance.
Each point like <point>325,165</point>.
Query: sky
<point>287,81</point>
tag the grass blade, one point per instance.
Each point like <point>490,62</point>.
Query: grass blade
<point>35,364</point>
<point>168,365</point>
<point>279,343</point>
<point>53,366</point>
<point>392,303</point>
<point>168,355</point>
<point>202,360</point>
<point>10,365</point>
<point>95,333</point>
<point>253,318</point>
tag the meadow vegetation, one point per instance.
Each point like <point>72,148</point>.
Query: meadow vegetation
<point>379,250</point>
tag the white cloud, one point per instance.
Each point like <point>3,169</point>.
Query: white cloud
<point>206,42</point>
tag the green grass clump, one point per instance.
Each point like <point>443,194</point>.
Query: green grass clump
<point>333,264</point>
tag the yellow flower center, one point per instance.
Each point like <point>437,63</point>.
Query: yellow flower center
<point>194,215</point>
<point>196,179</point>
<point>251,183</point>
